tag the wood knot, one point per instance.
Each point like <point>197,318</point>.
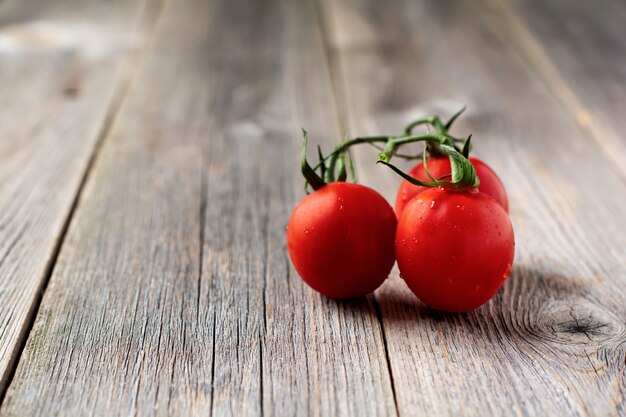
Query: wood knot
<point>71,91</point>
<point>566,313</point>
<point>580,323</point>
<point>569,323</point>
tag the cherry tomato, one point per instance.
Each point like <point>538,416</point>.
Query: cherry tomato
<point>454,248</point>
<point>341,239</point>
<point>489,182</point>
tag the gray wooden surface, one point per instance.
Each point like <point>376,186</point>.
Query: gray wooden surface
<point>578,50</point>
<point>148,166</point>
<point>63,68</point>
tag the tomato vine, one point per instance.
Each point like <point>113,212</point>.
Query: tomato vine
<point>334,166</point>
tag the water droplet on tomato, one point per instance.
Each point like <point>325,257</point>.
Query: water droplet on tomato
<point>460,207</point>
<point>507,271</point>
<point>341,207</point>
<point>432,204</point>
<point>306,231</point>
<point>415,240</point>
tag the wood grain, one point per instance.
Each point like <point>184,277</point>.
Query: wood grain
<point>578,48</point>
<point>62,65</point>
<point>173,293</point>
<point>553,341</point>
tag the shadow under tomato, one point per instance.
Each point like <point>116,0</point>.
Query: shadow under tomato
<point>398,303</point>
<point>543,307</point>
<point>352,307</point>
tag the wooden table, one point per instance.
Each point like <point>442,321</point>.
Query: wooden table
<point>149,164</point>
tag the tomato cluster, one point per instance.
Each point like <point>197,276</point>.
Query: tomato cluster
<point>450,234</point>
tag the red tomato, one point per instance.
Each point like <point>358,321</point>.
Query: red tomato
<point>341,239</point>
<point>454,248</point>
<point>489,182</point>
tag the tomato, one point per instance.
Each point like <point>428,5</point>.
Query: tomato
<point>454,248</point>
<point>341,239</point>
<point>489,182</point>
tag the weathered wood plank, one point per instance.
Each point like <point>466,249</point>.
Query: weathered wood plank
<point>552,342</point>
<point>579,49</point>
<point>173,293</point>
<point>62,64</point>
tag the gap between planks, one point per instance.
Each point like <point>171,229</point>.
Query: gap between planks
<point>341,98</point>
<point>148,22</point>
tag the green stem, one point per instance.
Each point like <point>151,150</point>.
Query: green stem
<point>397,154</point>
<point>344,147</point>
<point>368,139</point>
<point>435,140</point>
<point>434,121</point>
<point>334,166</point>
<point>341,149</point>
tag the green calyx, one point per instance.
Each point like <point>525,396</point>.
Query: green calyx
<point>463,175</point>
<point>311,177</point>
